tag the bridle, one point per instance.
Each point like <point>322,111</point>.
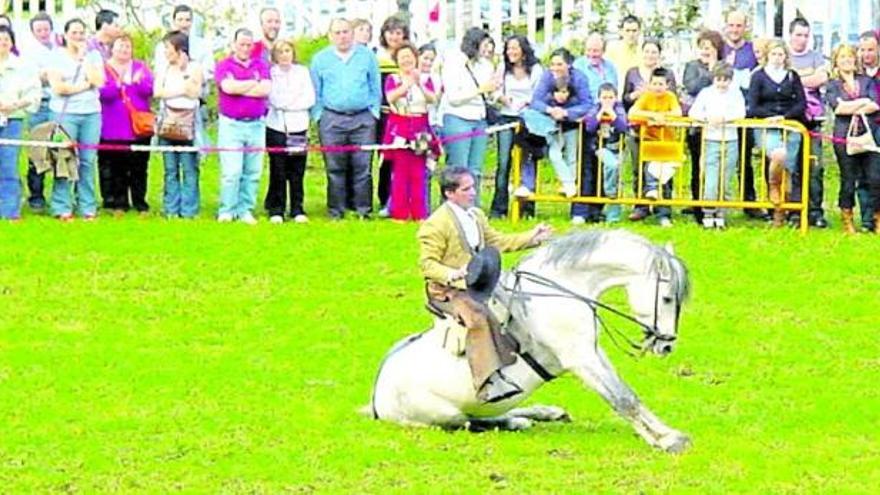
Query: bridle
<point>652,334</point>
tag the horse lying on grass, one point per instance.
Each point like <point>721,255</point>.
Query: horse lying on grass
<point>552,297</point>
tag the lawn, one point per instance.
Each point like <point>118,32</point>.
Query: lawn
<point>151,355</point>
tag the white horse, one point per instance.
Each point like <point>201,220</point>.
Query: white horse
<point>552,298</point>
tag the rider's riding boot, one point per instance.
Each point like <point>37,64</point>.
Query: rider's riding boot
<point>483,354</point>
<point>846,216</point>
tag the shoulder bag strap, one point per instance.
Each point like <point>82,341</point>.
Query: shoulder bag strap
<point>67,97</point>
<point>125,99</point>
<point>476,83</point>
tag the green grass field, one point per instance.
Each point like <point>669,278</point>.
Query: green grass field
<point>141,355</point>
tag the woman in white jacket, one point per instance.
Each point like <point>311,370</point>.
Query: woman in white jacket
<point>468,84</point>
<point>287,124</point>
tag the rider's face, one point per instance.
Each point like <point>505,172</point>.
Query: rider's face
<point>464,194</point>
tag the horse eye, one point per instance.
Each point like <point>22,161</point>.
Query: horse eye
<point>667,300</point>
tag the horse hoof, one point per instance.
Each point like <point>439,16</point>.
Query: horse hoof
<point>676,443</point>
<point>519,424</point>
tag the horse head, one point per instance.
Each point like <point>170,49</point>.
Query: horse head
<point>582,265</point>
<point>656,295</point>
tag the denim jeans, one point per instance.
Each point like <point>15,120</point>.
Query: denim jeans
<point>10,182</point>
<point>181,190</point>
<point>817,174</point>
<point>239,170</point>
<point>562,151</point>
<point>772,139</point>
<point>36,197</point>
<point>467,152</point>
<point>610,178</point>
<point>712,183</point>
<point>501,199</point>
<point>84,129</point>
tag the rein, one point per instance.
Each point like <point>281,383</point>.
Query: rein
<point>651,332</point>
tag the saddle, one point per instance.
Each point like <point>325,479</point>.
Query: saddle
<point>455,334</point>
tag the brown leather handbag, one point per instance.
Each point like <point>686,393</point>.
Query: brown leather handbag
<point>177,124</point>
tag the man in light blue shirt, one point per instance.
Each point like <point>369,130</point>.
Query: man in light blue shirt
<point>595,66</point>
<point>348,96</point>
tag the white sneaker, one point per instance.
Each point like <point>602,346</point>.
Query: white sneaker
<point>720,224</point>
<point>276,219</point>
<point>384,213</point>
<point>224,217</point>
<point>569,191</point>
<point>651,194</point>
<point>578,220</point>
<point>665,222</point>
<point>708,223</point>
<point>248,218</point>
<point>301,218</point>
<point>522,192</point>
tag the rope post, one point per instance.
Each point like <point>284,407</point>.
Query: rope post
<point>516,163</point>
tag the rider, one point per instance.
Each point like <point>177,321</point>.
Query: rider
<point>448,240</point>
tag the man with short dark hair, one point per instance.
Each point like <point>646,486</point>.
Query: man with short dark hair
<point>448,240</point>
<point>810,66</point>
<point>348,94</point>
<point>625,52</point>
<point>40,55</point>
<point>243,85</point>
<point>199,51</point>
<point>270,25</point>
<point>107,29</point>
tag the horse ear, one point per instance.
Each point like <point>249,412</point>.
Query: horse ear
<point>669,249</point>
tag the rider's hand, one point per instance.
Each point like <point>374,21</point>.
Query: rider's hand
<point>541,233</point>
<point>457,274</point>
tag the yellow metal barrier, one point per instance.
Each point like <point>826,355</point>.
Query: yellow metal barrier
<point>673,150</point>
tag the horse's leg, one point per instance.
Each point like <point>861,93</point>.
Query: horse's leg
<point>598,373</point>
<point>540,413</point>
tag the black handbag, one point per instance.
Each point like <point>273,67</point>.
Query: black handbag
<point>493,114</point>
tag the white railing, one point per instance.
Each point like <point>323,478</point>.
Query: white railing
<point>833,20</point>
<point>52,7</point>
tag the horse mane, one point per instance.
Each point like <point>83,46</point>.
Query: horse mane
<point>575,248</point>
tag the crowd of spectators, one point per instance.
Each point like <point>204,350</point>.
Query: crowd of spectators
<point>90,90</point>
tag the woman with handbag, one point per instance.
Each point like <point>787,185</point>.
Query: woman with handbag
<point>75,75</point>
<point>408,98</point>
<point>468,83</point>
<point>178,87</point>
<point>287,125</point>
<point>520,74</point>
<point>126,117</point>
<point>850,96</point>
<point>20,93</point>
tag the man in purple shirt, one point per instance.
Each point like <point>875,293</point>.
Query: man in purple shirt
<point>243,85</point>
<point>740,54</point>
<point>107,29</point>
